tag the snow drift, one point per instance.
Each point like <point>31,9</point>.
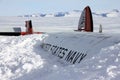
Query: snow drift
<point>22,58</point>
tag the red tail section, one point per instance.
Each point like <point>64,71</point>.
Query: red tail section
<point>29,29</point>
<point>86,21</point>
<point>28,26</point>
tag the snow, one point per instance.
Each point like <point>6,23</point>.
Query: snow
<point>23,58</point>
<point>17,57</point>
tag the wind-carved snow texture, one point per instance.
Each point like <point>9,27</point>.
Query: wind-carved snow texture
<point>22,58</point>
<point>103,66</point>
<point>18,56</point>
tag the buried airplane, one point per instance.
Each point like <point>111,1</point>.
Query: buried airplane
<point>76,47</point>
<point>29,30</point>
<point>85,24</point>
<point>72,47</point>
<point>57,44</point>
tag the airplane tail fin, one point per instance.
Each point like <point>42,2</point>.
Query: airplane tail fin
<point>18,31</point>
<point>29,29</point>
<point>86,21</point>
<point>28,25</point>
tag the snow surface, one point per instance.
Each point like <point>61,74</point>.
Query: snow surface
<point>23,58</point>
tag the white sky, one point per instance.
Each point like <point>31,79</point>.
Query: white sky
<point>20,7</point>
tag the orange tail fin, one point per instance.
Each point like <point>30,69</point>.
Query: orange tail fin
<point>86,21</point>
<point>28,25</point>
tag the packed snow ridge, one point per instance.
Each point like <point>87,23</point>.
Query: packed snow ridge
<point>75,13</point>
<point>22,58</point>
